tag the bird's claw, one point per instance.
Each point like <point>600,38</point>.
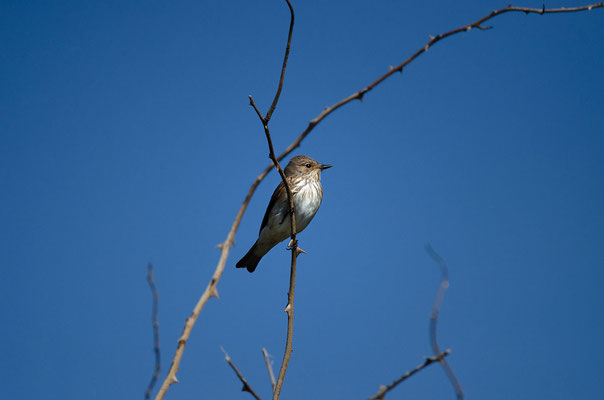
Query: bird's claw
<point>291,244</point>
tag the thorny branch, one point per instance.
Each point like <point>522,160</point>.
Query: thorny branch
<point>269,367</point>
<point>293,242</point>
<point>433,40</point>
<point>429,360</point>
<point>155,294</point>
<point>444,284</point>
<point>246,387</point>
<point>225,246</point>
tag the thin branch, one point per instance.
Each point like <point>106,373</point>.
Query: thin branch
<point>269,367</point>
<point>246,387</point>
<point>433,40</point>
<point>290,320</point>
<point>272,156</point>
<point>225,246</point>
<point>429,360</point>
<point>444,284</point>
<point>285,58</point>
<point>289,309</point>
<point>155,294</point>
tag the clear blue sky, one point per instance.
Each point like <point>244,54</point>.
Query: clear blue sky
<point>126,138</point>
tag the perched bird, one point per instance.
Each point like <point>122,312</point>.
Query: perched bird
<point>303,175</point>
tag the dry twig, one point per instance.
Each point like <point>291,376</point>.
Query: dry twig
<point>429,360</point>
<point>444,284</point>
<point>433,40</point>
<point>155,294</point>
<point>246,387</point>
<point>289,309</point>
<point>225,246</point>
<point>269,367</point>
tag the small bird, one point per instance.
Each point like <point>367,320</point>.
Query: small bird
<point>303,175</point>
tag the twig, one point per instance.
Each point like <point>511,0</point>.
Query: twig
<point>269,367</point>
<point>444,284</point>
<point>285,58</point>
<point>289,309</point>
<point>225,246</point>
<point>155,294</point>
<point>246,387</point>
<point>433,40</point>
<point>429,360</point>
<point>290,321</point>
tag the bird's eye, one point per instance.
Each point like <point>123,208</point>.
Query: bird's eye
<point>308,165</point>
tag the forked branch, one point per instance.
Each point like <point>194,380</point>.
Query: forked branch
<point>289,309</point>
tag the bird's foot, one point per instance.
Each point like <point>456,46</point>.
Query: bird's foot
<point>291,245</point>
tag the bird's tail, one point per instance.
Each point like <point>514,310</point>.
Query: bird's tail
<point>250,260</point>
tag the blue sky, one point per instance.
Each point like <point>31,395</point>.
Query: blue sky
<point>126,138</point>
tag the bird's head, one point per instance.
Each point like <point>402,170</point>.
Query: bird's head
<point>304,165</point>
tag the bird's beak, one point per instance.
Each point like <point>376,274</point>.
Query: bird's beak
<point>323,166</point>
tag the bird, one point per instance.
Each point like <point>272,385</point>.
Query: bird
<point>303,175</point>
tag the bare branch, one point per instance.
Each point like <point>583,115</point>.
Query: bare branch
<point>289,309</point>
<point>289,42</point>
<point>225,247</point>
<point>269,367</point>
<point>246,387</point>
<point>444,284</point>
<point>293,244</point>
<point>429,360</point>
<point>433,40</point>
<point>155,294</point>
<point>290,320</point>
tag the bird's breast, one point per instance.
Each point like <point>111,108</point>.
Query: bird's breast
<point>306,202</point>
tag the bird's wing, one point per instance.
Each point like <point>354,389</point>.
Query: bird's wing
<point>279,192</point>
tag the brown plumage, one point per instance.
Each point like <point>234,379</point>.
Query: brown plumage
<point>304,178</point>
